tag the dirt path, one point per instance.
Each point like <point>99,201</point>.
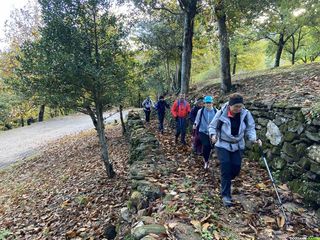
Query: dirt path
<point>194,196</point>
<point>20,143</point>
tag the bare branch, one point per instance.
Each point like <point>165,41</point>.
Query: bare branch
<point>166,9</point>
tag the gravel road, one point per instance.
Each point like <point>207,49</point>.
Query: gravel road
<point>19,143</point>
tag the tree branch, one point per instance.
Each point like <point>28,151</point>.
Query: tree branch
<point>166,9</point>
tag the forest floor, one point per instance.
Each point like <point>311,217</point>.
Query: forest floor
<point>255,215</point>
<point>65,194</point>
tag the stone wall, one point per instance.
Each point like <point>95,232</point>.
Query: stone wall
<point>291,137</point>
<point>147,161</point>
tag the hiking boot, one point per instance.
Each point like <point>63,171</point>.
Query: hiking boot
<point>227,201</point>
<point>176,140</point>
<point>184,143</point>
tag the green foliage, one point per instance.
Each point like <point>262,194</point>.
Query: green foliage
<point>4,233</point>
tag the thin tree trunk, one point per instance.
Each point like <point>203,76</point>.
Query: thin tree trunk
<point>235,59</point>
<point>103,142</point>
<point>279,50</point>
<point>293,53</point>
<point>22,121</point>
<point>122,122</point>
<point>224,47</point>
<point>41,113</point>
<point>188,25</point>
<point>92,116</point>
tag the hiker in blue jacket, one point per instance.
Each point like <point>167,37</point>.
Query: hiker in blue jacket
<point>228,129</point>
<point>147,104</point>
<point>161,106</point>
<point>203,119</point>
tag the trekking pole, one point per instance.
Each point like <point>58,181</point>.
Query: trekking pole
<point>273,183</point>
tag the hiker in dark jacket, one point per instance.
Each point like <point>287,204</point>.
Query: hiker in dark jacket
<point>196,143</point>
<point>228,129</point>
<point>161,106</point>
<point>201,124</point>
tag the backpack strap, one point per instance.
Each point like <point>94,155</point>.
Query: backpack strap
<point>201,114</point>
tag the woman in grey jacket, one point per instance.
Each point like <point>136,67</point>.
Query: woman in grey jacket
<point>227,130</point>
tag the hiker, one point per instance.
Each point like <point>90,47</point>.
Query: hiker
<point>196,143</point>
<point>161,106</point>
<point>147,104</point>
<point>180,111</point>
<point>228,129</point>
<point>201,124</point>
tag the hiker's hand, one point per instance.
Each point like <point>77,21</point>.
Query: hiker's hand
<point>194,126</point>
<point>259,142</point>
<point>213,139</point>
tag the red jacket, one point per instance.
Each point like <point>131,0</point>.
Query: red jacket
<point>180,109</point>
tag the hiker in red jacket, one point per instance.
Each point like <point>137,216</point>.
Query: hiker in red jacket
<point>180,111</point>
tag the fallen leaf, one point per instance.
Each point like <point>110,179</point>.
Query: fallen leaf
<point>205,226</point>
<point>281,221</point>
<point>216,235</point>
<point>267,219</point>
<point>196,224</point>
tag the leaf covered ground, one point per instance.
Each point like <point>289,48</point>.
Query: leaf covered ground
<point>193,197</point>
<point>64,192</point>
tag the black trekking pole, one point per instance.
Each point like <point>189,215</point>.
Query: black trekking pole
<point>273,183</point>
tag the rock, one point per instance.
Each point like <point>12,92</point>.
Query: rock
<point>295,127</point>
<point>291,207</point>
<point>147,220</point>
<point>315,168</point>
<point>135,201</point>
<point>262,121</point>
<point>273,133</point>
<point>305,163</point>
<point>290,150</point>
<point>140,232</point>
<point>316,122</point>
<point>280,120</point>
<point>279,163</point>
<point>148,238</point>
<point>110,232</point>
<point>249,205</point>
<point>290,136</point>
<point>149,190</point>
<point>313,152</point>
<point>125,214</point>
<point>314,136</point>
<point>308,190</point>
<point>185,232</point>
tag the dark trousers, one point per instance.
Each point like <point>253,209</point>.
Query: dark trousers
<point>205,141</point>
<point>230,165</point>
<point>161,120</point>
<point>181,124</point>
<point>147,112</point>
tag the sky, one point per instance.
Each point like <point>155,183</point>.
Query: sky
<point>6,6</point>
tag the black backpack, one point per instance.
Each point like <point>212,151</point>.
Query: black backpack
<point>201,114</point>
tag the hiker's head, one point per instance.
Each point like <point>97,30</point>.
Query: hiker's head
<point>199,102</point>
<point>236,103</point>
<point>208,101</point>
<point>182,96</point>
<point>148,97</point>
<point>161,98</point>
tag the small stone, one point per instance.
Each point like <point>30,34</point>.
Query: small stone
<point>142,231</point>
<point>110,232</point>
<point>125,214</point>
<point>273,133</point>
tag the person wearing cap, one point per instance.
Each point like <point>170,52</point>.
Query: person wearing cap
<point>196,143</point>
<point>161,106</point>
<point>228,129</point>
<point>180,111</point>
<point>203,119</point>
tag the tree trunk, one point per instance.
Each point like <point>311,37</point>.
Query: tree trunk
<point>279,50</point>
<point>294,49</point>
<point>41,113</point>
<point>235,59</point>
<point>224,47</point>
<point>92,116</point>
<point>139,100</point>
<point>122,122</point>
<point>293,57</point>
<point>103,142</point>
<point>188,25</point>
<point>22,121</point>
